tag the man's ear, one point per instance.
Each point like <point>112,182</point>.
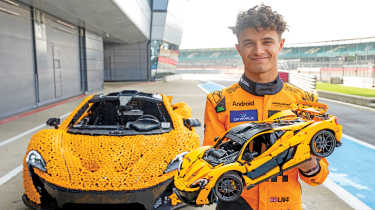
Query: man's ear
<point>238,48</point>
<point>282,44</point>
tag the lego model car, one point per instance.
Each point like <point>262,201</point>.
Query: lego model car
<point>112,149</point>
<point>254,152</point>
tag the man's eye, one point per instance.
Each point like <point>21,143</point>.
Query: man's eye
<point>268,42</point>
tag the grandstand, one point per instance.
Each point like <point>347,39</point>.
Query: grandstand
<point>209,58</point>
<point>349,61</point>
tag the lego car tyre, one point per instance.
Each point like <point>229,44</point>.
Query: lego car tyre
<point>229,187</point>
<point>323,143</point>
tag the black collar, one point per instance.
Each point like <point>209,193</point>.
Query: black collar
<point>261,89</point>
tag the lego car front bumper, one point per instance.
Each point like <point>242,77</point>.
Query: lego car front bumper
<point>146,197</point>
<point>188,197</point>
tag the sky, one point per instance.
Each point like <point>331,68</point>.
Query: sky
<point>206,22</point>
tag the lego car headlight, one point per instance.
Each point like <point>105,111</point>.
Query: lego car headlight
<point>175,163</point>
<point>199,183</point>
<point>35,160</point>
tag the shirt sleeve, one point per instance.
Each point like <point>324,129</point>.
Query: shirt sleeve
<point>213,127</point>
<point>319,177</point>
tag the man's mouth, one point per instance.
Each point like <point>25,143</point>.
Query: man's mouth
<point>259,59</point>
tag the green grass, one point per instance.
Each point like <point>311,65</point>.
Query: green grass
<point>345,89</point>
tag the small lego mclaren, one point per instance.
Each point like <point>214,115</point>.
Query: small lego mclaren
<point>112,149</point>
<point>253,152</point>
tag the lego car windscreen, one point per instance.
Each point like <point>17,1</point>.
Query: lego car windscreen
<point>121,115</point>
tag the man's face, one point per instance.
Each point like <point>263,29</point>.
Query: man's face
<point>259,50</point>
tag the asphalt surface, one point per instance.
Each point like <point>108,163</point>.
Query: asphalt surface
<point>11,154</point>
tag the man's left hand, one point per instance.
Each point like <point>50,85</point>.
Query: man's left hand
<point>309,165</point>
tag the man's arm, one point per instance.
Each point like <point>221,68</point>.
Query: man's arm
<point>213,127</point>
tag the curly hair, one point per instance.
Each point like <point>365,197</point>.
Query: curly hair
<point>260,16</point>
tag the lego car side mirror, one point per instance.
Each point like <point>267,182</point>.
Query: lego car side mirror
<point>192,122</point>
<point>55,122</point>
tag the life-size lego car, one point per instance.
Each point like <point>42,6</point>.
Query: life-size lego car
<point>253,152</point>
<point>112,149</point>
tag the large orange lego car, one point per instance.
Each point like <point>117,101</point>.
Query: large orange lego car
<point>112,149</point>
<point>254,152</point>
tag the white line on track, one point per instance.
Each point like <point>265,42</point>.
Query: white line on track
<point>10,175</point>
<point>2,143</point>
<point>204,90</point>
<point>21,135</point>
<point>17,170</point>
<point>344,195</point>
<point>359,141</point>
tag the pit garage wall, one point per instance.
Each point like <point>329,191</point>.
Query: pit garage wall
<point>55,72</point>
<point>126,62</point>
<point>16,59</point>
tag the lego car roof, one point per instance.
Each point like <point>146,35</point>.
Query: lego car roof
<point>244,132</point>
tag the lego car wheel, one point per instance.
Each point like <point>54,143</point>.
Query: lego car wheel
<point>323,143</point>
<point>229,187</point>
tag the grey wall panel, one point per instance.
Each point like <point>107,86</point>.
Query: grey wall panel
<point>17,88</point>
<point>126,62</point>
<point>94,58</point>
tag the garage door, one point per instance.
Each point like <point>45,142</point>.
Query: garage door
<point>59,71</point>
<point>16,59</point>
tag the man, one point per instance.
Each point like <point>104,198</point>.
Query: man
<point>259,94</point>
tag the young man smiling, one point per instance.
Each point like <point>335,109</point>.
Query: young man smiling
<point>259,94</point>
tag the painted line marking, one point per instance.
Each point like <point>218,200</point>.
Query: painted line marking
<point>212,84</point>
<point>2,143</point>
<point>17,170</point>
<point>21,135</point>
<point>344,195</point>
<point>202,88</point>
<point>359,141</point>
<point>10,175</point>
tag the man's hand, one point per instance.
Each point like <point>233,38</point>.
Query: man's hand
<point>311,166</point>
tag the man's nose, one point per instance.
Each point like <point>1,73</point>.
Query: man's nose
<point>259,49</point>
